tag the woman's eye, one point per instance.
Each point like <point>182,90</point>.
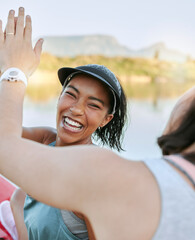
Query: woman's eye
<point>94,106</point>
<point>71,94</point>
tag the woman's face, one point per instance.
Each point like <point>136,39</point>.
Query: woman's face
<point>82,108</point>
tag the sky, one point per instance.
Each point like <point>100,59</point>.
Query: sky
<point>135,24</point>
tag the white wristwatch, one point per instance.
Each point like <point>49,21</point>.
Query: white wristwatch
<point>14,75</point>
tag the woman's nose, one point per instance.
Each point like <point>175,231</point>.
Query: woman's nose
<point>77,109</point>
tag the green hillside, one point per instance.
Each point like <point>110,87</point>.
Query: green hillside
<point>140,78</point>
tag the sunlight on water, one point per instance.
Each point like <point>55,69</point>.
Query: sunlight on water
<point>146,124</point>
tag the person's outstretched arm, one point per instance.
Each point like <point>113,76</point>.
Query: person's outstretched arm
<point>41,171</point>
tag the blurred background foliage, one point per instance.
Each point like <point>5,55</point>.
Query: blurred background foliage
<point>140,78</point>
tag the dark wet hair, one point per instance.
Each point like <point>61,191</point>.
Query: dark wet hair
<point>182,137</point>
<point>112,133</point>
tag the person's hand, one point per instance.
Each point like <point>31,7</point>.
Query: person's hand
<point>16,44</point>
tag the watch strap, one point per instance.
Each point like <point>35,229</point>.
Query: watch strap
<point>14,75</point>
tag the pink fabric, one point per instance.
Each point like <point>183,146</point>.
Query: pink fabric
<point>7,219</point>
<point>6,189</point>
<point>4,233</point>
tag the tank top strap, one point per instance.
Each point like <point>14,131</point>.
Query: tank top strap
<point>52,144</point>
<point>180,168</point>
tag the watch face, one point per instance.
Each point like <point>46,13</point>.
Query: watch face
<point>13,74</point>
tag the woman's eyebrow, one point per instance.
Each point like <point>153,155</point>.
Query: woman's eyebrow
<point>70,86</point>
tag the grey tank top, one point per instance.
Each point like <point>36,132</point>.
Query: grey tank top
<point>76,225</point>
<point>177,220</point>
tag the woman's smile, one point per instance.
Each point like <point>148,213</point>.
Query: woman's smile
<point>71,125</point>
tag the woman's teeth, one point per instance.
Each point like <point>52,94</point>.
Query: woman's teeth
<point>72,124</point>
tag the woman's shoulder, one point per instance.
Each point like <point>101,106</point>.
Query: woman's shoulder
<point>49,135</point>
<point>124,190</point>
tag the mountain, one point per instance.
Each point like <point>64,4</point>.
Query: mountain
<point>161,52</point>
<point>70,46</point>
<point>84,45</point>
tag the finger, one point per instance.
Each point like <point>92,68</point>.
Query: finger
<point>20,23</point>
<point>9,31</point>
<point>1,33</point>
<point>38,47</point>
<point>15,23</point>
<point>28,29</point>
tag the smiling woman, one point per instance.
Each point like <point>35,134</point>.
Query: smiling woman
<point>92,101</point>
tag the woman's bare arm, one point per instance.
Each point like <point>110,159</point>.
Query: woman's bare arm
<point>17,205</point>
<point>43,135</point>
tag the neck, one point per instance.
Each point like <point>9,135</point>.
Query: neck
<point>60,143</point>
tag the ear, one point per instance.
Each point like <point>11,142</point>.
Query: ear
<point>106,120</point>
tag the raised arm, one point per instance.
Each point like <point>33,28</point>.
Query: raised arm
<point>18,35</point>
<point>41,171</point>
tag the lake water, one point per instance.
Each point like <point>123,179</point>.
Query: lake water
<point>146,122</point>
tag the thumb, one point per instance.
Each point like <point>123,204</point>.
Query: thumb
<point>38,47</point>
